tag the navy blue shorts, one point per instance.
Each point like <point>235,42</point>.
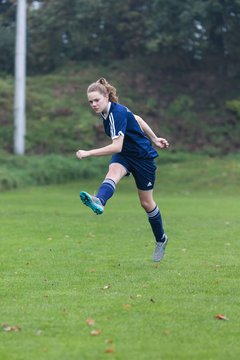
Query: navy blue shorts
<point>143,170</point>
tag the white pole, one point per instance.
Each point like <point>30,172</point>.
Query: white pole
<point>20,79</point>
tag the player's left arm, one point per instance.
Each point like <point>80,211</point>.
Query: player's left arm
<point>157,141</point>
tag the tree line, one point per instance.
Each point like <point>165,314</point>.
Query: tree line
<point>182,33</point>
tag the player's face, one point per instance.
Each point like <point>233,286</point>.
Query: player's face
<point>98,101</point>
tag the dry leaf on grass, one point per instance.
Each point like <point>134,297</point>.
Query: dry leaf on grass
<point>167,332</point>
<point>39,332</point>
<point>14,328</point>
<point>106,287</point>
<point>109,350</point>
<point>90,322</point>
<point>108,341</point>
<point>92,270</point>
<point>96,332</point>
<point>221,317</point>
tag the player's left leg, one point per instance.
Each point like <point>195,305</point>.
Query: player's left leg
<point>155,220</point>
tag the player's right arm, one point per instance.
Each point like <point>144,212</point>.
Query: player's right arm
<point>113,148</point>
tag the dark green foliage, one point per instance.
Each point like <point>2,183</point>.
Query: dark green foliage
<point>20,171</point>
<point>6,113</point>
<point>183,120</point>
<point>234,106</point>
<point>196,112</point>
<point>179,34</point>
<point>7,43</point>
<point>7,36</point>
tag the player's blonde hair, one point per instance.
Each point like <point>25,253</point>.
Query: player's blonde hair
<point>102,86</point>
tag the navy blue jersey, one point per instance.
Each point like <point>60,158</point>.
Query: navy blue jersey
<point>120,121</point>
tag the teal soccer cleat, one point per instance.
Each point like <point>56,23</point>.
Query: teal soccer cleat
<point>92,201</point>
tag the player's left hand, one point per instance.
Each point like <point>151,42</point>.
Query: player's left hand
<point>81,154</point>
<point>161,143</point>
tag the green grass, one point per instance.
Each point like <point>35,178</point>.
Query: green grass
<point>61,265</point>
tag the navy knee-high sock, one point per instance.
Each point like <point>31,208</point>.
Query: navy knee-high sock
<point>106,190</point>
<point>155,220</point>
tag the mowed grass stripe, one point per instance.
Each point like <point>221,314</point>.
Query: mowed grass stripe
<point>61,264</point>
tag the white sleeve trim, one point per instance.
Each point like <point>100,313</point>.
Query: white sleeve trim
<point>117,136</point>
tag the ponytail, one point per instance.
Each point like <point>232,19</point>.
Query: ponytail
<point>104,88</point>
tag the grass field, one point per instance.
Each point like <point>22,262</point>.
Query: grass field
<point>79,286</point>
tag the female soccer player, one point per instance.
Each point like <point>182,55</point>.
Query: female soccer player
<point>132,152</point>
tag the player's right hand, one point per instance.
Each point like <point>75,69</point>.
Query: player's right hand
<point>81,154</point>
